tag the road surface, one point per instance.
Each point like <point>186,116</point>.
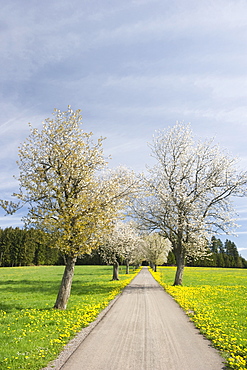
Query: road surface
<point>144,330</point>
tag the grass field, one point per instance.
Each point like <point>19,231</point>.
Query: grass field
<point>31,332</point>
<point>216,301</point>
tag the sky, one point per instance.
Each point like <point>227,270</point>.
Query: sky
<point>132,67</point>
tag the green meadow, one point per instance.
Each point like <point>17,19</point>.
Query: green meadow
<point>32,333</point>
<point>216,301</point>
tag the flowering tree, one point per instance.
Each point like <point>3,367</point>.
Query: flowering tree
<point>187,194</point>
<point>138,254</point>
<point>121,243</point>
<point>157,248</point>
<point>60,180</point>
<point>133,246</point>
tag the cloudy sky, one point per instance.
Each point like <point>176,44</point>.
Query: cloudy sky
<point>133,67</point>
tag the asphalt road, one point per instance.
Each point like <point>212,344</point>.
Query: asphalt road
<point>144,330</point>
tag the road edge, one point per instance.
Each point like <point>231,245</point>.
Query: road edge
<point>74,343</point>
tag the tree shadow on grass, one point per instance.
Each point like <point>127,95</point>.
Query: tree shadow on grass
<point>10,307</point>
<point>49,287</point>
<point>26,286</point>
<point>14,307</point>
<point>90,288</point>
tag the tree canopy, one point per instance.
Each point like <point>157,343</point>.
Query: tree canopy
<point>69,193</point>
<point>76,200</point>
<point>122,243</point>
<point>187,192</point>
<point>156,249</point>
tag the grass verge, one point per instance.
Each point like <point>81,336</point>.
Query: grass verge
<point>216,300</point>
<point>31,332</point>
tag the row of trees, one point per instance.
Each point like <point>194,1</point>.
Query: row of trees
<point>73,197</point>
<point>126,244</point>
<point>25,247</point>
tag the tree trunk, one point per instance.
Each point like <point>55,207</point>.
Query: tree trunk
<point>115,271</point>
<point>65,287</point>
<point>153,266</point>
<point>180,259</point>
<point>127,267</point>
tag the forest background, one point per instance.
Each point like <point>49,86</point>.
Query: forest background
<point>26,247</point>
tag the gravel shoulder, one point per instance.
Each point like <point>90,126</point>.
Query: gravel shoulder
<point>142,329</point>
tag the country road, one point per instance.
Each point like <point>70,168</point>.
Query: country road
<point>144,330</point>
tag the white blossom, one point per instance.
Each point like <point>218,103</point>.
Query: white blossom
<point>187,193</point>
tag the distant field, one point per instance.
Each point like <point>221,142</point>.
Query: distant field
<point>31,332</point>
<point>216,300</point>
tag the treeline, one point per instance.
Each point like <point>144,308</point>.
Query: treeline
<point>25,247</point>
<point>219,255</point>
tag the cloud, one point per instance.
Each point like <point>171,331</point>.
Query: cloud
<point>132,67</point>
<point>51,35</point>
<point>13,221</point>
<point>224,88</point>
<point>188,19</point>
